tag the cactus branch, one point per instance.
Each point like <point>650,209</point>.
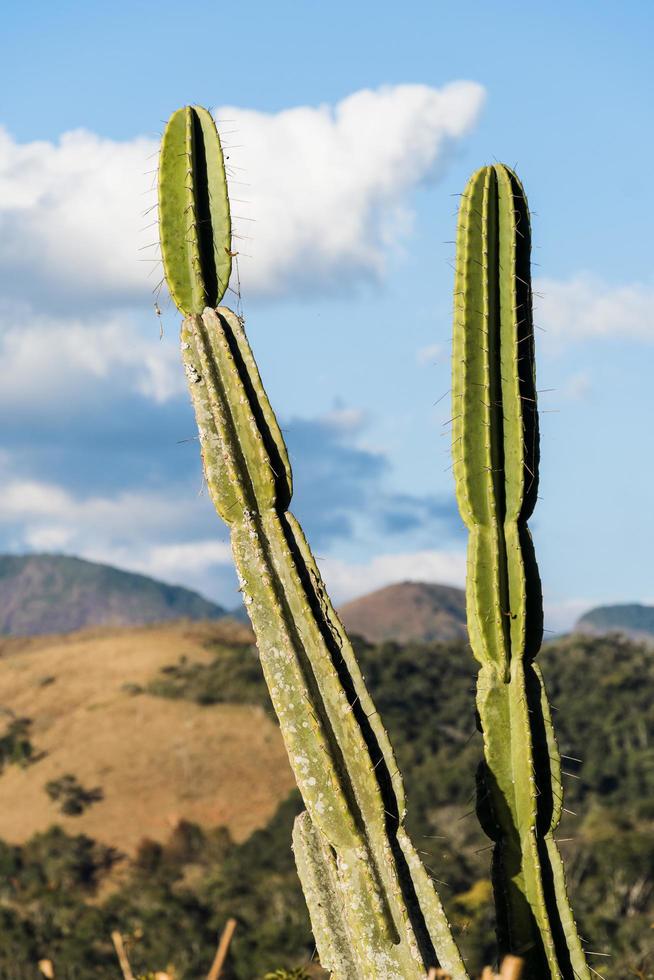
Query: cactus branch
<point>194,215</point>
<point>338,748</point>
<point>495,435</point>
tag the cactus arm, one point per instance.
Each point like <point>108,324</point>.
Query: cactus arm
<point>351,676</point>
<point>318,875</point>
<point>495,448</point>
<point>338,749</point>
<point>449,956</point>
<point>194,215</point>
<point>474,407</point>
<point>558,883</point>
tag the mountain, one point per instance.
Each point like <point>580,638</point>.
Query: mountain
<point>633,619</point>
<point>58,594</point>
<point>408,612</point>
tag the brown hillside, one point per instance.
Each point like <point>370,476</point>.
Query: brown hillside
<point>408,611</point>
<point>156,760</point>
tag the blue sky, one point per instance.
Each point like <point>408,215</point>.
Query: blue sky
<point>355,126</point>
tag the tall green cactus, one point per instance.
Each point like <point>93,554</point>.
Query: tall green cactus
<point>496,455</point>
<point>375,912</point>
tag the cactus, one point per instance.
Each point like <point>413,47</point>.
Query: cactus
<point>374,909</point>
<point>496,454</point>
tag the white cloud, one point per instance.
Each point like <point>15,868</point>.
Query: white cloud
<point>45,357</point>
<point>70,215</point>
<point>48,507</point>
<point>328,186</point>
<point>189,563</point>
<point>561,616</point>
<point>185,558</point>
<point>429,354</point>
<point>577,387</point>
<point>348,580</point>
<point>126,530</point>
<point>584,308</point>
<point>345,420</point>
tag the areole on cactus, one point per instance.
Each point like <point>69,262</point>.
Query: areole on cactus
<point>374,909</point>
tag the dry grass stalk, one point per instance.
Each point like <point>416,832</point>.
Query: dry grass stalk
<point>511,970</point>
<point>119,946</point>
<point>223,949</point>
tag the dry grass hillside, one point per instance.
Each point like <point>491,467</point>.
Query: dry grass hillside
<point>156,760</point>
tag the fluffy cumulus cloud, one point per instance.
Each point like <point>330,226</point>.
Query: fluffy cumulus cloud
<point>585,308</point>
<point>44,357</point>
<point>140,529</point>
<point>328,186</point>
<point>70,218</point>
<point>321,192</point>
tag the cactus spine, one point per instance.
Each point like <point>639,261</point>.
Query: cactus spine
<point>375,913</point>
<point>496,455</point>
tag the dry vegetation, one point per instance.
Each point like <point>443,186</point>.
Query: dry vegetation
<point>155,759</point>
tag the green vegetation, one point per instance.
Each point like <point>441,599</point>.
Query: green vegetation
<point>298,974</point>
<point>72,797</point>
<point>171,901</point>
<point>15,745</point>
<point>233,676</point>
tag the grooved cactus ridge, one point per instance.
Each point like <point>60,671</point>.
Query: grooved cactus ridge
<point>374,910</point>
<point>496,455</point>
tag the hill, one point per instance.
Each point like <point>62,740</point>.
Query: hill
<point>162,741</point>
<point>408,612</point>
<point>154,759</point>
<point>631,619</point>
<point>59,594</point>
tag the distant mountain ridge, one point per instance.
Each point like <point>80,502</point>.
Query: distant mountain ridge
<point>58,594</point>
<point>632,619</point>
<point>406,612</point>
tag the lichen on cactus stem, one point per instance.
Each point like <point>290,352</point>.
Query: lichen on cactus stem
<point>496,456</point>
<point>375,912</point>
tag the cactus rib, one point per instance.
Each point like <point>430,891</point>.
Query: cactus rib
<point>338,748</point>
<point>496,455</point>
